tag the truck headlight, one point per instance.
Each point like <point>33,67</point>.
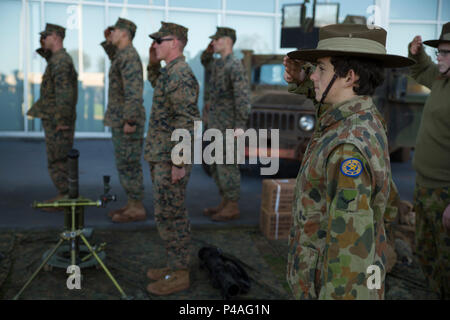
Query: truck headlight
<point>306,123</point>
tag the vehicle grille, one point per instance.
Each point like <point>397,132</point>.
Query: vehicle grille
<point>273,120</point>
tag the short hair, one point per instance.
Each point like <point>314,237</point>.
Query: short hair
<point>370,72</point>
<point>182,41</point>
<point>128,32</point>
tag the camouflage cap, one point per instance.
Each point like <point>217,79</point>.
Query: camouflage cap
<point>50,28</point>
<point>168,29</point>
<point>122,23</point>
<point>224,32</point>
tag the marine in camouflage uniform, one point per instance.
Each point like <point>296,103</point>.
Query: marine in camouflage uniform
<point>125,109</point>
<point>228,98</point>
<point>432,163</point>
<point>56,106</point>
<point>343,187</point>
<point>174,107</point>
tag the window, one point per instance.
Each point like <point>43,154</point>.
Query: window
<point>251,5</point>
<point>414,9</point>
<point>11,73</point>
<point>201,4</point>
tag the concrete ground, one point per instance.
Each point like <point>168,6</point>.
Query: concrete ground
<point>24,179</point>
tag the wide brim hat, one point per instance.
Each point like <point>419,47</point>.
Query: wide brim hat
<point>444,38</point>
<point>352,40</point>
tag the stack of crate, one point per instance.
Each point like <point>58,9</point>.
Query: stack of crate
<point>275,218</point>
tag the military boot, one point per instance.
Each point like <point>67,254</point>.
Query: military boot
<point>54,209</point>
<point>213,210</point>
<point>135,212</point>
<point>229,212</point>
<point>173,282</point>
<point>158,273</point>
<point>112,213</point>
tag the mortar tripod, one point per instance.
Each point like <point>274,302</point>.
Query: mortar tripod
<point>73,206</point>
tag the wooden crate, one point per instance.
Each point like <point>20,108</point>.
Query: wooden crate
<point>275,226</point>
<point>277,195</point>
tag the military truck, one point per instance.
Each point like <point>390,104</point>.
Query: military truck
<point>400,99</point>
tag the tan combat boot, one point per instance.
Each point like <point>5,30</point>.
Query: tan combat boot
<point>157,274</point>
<point>112,213</point>
<point>54,209</point>
<point>213,210</point>
<point>173,282</point>
<point>229,212</point>
<point>135,212</point>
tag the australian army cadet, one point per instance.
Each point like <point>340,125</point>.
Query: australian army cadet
<point>343,187</point>
<point>432,163</point>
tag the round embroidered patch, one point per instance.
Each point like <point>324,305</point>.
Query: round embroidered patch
<point>351,167</point>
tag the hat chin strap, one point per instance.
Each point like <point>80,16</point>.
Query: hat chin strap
<point>328,88</point>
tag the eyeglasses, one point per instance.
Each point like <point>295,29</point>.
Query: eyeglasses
<point>159,40</point>
<point>442,53</point>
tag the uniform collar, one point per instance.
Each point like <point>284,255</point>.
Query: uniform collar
<point>57,53</point>
<point>342,110</point>
<point>174,62</point>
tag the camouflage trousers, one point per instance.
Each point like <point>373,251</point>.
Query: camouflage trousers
<point>128,152</point>
<point>432,240</point>
<point>171,216</point>
<point>58,144</point>
<point>227,176</point>
<point>228,179</point>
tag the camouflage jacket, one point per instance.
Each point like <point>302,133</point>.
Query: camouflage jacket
<point>59,91</point>
<point>341,196</point>
<point>174,106</point>
<point>126,84</point>
<point>228,92</point>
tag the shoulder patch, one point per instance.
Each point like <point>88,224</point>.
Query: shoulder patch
<point>351,167</point>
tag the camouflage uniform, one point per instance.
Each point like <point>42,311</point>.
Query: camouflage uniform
<point>343,187</point>
<point>125,104</point>
<point>174,106</point>
<point>229,101</point>
<point>57,106</point>
<point>431,162</point>
<point>338,228</point>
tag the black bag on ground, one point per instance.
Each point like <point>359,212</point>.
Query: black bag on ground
<point>225,273</point>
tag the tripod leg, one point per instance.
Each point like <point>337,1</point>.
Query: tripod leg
<point>124,296</point>
<point>39,269</point>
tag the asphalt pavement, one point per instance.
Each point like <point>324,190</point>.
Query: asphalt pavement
<point>24,179</point>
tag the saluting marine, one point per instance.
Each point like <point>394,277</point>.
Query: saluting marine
<point>174,107</point>
<point>228,107</point>
<point>126,116</point>
<point>56,106</point>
